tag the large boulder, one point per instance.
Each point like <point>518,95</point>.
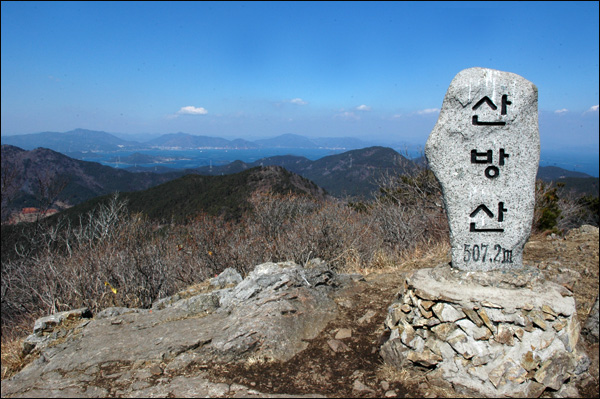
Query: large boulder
<point>485,151</point>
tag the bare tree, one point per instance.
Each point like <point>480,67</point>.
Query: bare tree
<point>47,187</point>
<point>10,186</point>
<point>409,208</point>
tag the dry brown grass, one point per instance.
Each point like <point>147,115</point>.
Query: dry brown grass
<point>418,257</point>
<point>13,359</point>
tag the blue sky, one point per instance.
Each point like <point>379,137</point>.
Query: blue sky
<point>373,70</point>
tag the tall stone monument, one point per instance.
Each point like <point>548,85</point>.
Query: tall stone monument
<point>485,151</point>
<point>486,322</point>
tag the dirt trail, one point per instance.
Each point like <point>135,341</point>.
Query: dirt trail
<point>319,368</point>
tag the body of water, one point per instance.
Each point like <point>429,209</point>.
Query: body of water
<point>579,161</point>
<point>189,159</point>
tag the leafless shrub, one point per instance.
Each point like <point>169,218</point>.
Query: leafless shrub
<point>296,228</point>
<point>409,209</point>
<point>203,248</point>
<point>557,210</point>
<point>9,180</point>
<point>575,211</point>
<point>110,258</point>
<point>113,258</point>
<point>272,211</point>
<point>571,213</point>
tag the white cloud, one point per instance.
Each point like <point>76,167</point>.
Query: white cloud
<point>561,111</point>
<point>298,101</point>
<point>363,107</point>
<point>347,116</point>
<point>593,108</point>
<point>428,111</point>
<point>191,110</point>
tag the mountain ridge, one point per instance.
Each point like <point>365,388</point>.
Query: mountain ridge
<point>83,140</point>
<point>84,143</point>
<point>353,173</point>
<point>74,140</point>
<point>43,172</point>
<point>183,198</point>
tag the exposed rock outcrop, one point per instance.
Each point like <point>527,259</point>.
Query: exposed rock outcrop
<point>267,316</point>
<point>590,329</point>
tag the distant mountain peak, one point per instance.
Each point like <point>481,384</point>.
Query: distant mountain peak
<point>84,140</point>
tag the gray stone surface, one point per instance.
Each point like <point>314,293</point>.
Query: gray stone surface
<point>590,328</point>
<point>228,277</point>
<point>270,315</point>
<point>46,329</point>
<point>48,323</point>
<point>485,151</point>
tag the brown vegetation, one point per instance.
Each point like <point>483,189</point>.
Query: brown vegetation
<point>114,258</point>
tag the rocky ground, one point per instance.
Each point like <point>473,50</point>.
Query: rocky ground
<point>356,370</point>
<point>336,353</point>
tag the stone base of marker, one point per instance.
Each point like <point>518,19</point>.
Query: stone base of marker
<point>502,333</point>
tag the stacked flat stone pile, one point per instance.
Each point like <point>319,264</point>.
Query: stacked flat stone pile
<point>478,334</point>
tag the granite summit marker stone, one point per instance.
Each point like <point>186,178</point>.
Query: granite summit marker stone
<point>485,151</point>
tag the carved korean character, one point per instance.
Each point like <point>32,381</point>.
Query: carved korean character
<point>491,172</point>
<point>486,210</point>
<point>494,107</point>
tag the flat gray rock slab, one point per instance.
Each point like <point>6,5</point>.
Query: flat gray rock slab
<point>145,353</point>
<point>485,151</point>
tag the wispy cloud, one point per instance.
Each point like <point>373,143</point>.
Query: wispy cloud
<point>561,111</point>
<point>428,111</point>
<point>298,101</point>
<point>191,110</point>
<point>346,115</point>
<point>593,108</point>
<point>363,107</point>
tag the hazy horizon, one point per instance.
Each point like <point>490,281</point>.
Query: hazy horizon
<point>580,159</point>
<point>368,70</point>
